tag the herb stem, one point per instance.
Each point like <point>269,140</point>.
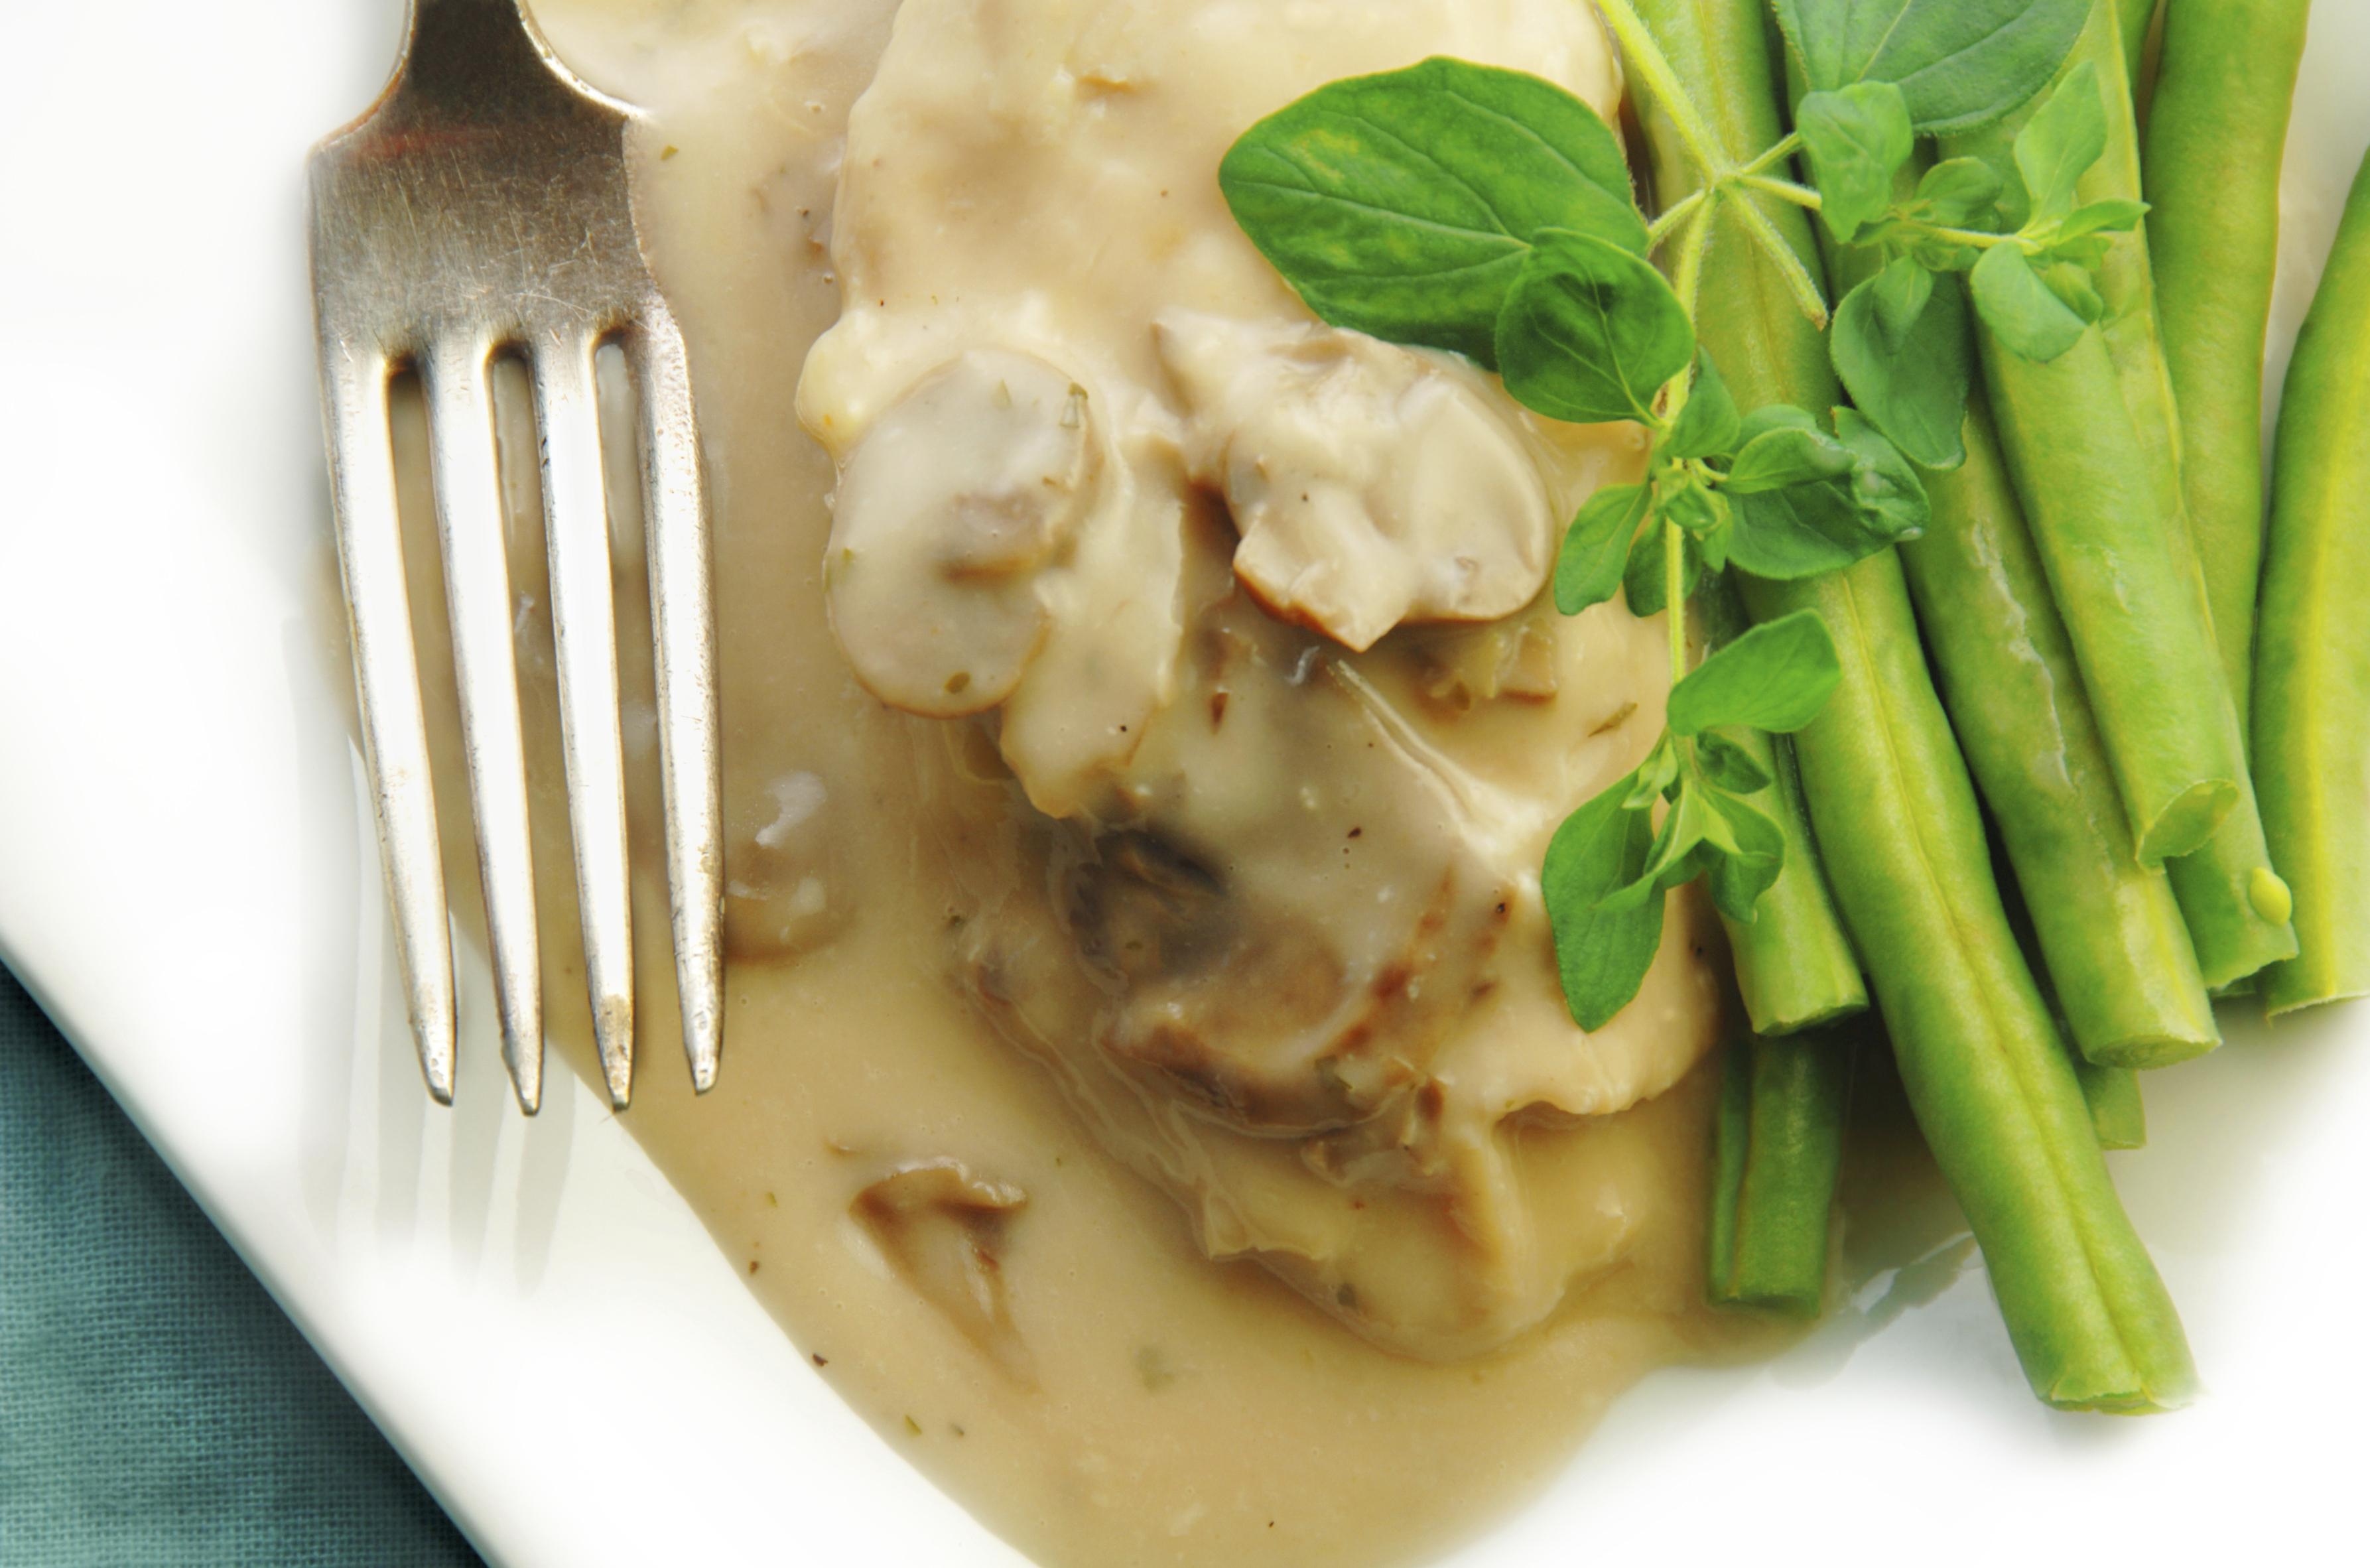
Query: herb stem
<point>1686,283</point>
<point>1976,238</point>
<point>1778,152</point>
<point>1642,56</point>
<point>1659,229</point>
<point>1784,190</point>
<point>1686,276</point>
<point>1675,595</point>
<point>1790,266</point>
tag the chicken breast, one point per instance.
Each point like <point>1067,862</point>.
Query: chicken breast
<point>1243,724</point>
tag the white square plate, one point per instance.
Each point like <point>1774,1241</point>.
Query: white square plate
<point>188,883</point>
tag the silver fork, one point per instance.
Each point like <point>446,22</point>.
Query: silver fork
<point>479,207</point>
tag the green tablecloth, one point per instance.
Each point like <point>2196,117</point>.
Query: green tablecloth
<point>157,1410</point>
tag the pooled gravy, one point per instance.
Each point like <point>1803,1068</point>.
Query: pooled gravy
<point>1146,1098</point>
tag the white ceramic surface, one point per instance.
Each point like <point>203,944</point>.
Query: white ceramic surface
<point>187,882</point>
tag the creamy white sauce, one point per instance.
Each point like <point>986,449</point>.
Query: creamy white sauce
<point>977,1162</point>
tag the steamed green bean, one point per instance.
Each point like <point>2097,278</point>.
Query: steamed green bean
<point>2117,1113</point>
<point>2133,20</point>
<point>2312,668</point>
<point>2109,931</point>
<point>1778,1149</point>
<point>2224,81</point>
<point>1795,966</point>
<point>2122,488</point>
<point>1992,1087</point>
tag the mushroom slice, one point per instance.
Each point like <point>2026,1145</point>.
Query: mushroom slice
<point>1372,485</point>
<point>949,509</point>
<point>943,1229</point>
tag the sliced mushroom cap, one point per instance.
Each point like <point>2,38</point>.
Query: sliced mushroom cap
<point>943,1229</point>
<point>1372,485</point>
<point>949,508</point>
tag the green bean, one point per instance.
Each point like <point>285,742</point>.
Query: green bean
<point>2225,82</point>
<point>1777,1151</point>
<point>1794,965</point>
<point>2109,933</point>
<point>2117,1113</point>
<point>2093,488</point>
<point>2127,286</point>
<point>2171,625</point>
<point>2235,905</point>
<point>2133,19</point>
<point>2312,661</point>
<point>1993,1088</point>
<point>2235,925</point>
<point>2145,655</point>
<point>2234,930</point>
<point>2111,1093</point>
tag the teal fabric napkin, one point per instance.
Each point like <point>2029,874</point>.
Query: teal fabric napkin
<point>157,1410</point>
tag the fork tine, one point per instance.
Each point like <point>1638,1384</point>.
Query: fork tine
<point>682,609</point>
<point>585,643</point>
<point>394,739</point>
<point>478,592</point>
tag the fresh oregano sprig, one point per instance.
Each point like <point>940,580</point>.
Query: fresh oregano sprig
<point>1487,212</point>
<point>1900,342</point>
<point>1424,203</point>
<point>1958,64</point>
<point>1881,75</point>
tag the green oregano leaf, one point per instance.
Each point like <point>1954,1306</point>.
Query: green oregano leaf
<point>1402,205</point>
<point>1596,546</point>
<point>1644,581</point>
<point>1891,497</point>
<point>1656,777</point>
<point>1775,677</point>
<point>2115,214</point>
<point>1711,833</point>
<point>1938,255</point>
<point>1590,331</point>
<point>1774,416</point>
<point>1751,858</point>
<point>1959,64</point>
<point>1720,612</point>
<point>1912,384</point>
<point>1707,426</point>
<point>1807,529</point>
<point>1681,849</point>
<point>2018,307</point>
<point>1695,509</point>
<point>1800,532</point>
<point>1899,294</point>
<point>1601,955</point>
<point>1643,585</point>
<point>1731,762</point>
<point>2083,250</point>
<point>1711,544</point>
<point>1804,529</point>
<point>2066,135</point>
<point>1857,136</point>
<point>2072,283</point>
<point>1778,458</point>
<point>1956,191</point>
<point>2012,209</point>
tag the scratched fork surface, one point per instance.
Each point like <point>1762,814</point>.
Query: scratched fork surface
<point>481,207</point>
